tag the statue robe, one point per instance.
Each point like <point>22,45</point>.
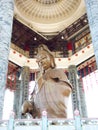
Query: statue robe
<point>53,93</point>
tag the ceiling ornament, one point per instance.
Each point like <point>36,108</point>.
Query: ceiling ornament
<point>47,11</point>
<point>47,1</point>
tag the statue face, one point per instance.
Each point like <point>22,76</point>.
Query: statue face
<point>44,60</point>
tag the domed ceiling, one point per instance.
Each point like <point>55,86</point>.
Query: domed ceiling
<point>49,17</point>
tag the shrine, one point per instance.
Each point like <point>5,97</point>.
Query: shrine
<point>69,30</point>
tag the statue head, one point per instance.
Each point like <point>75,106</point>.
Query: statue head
<point>45,58</point>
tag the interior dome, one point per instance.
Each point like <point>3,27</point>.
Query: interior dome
<point>47,11</point>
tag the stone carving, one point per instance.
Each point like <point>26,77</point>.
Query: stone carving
<point>52,89</point>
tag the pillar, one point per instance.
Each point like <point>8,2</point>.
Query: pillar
<point>75,92</point>
<point>11,121</point>
<point>78,96</point>
<point>92,13</point>
<point>22,91</point>
<point>17,96</point>
<point>25,78</point>
<point>82,99</point>
<point>77,119</point>
<point>44,120</point>
<point>6,19</point>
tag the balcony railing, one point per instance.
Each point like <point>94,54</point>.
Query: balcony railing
<point>53,124</point>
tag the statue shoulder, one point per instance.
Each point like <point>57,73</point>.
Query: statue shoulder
<point>61,75</point>
<point>58,72</point>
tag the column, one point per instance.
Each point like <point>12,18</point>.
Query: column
<point>22,92</point>
<point>17,96</point>
<point>75,92</point>
<point>6,19</point>
<point>25,78</point>
<point>82,99</point>
<point>92,13</point>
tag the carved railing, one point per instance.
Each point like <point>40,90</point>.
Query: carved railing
<point>57,124</point>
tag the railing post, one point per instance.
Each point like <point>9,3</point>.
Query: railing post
<point>11,121</point>
<point>78,125</point>
<point>44,121</point>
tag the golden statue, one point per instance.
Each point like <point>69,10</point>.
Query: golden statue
<point>52,90</point>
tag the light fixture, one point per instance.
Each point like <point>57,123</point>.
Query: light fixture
<point>35,38</point>
<point>62,37</point>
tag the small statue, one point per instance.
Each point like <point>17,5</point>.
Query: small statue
<point>52,90</point>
